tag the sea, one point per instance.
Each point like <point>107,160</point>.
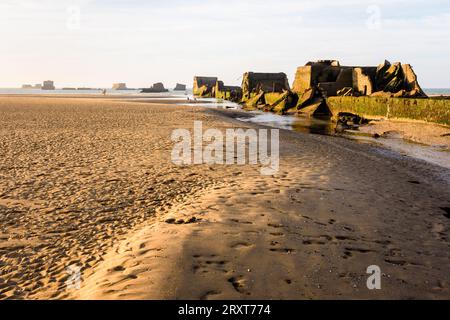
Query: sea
<point>6,91</point>
<point>437,92</point>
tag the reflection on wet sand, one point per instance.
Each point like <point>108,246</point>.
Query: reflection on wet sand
<point>402,147</point>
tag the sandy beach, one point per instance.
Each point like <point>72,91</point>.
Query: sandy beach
<point>90,182</point>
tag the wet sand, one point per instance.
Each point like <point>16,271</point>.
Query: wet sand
<point>89,182</point>
<point>425,133</point>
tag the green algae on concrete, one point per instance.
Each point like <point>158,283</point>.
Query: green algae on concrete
<point>230,93</point>
<point>274,97</point>
<point>204,86</point>
<point>254,101</point>
<point>253,83</point>
<point>318,109</point>
<point>429,110</point>
<point>281,102</point>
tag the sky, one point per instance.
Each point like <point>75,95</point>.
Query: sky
<point>94,43</point>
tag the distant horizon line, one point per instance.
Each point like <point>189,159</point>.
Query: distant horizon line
<point>90,88</point>
<point>138,88</point>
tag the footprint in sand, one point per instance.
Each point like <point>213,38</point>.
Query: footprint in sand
<point>359,250</point>
<point>241,245</point>
<point>396,262</point>
<point>344,238</point>
<point>275,225</point>
<point>125,278</point>
<point>205,264</point>
<point>208,295</point>
<point>283,250</point>
<point>277,234</point>
<point>447,212</point>
<point>313,242</point>
<point>182,221</point>
<point>117,269</point>
<point>347,255</point>
<point>239,221</point>
<point>240,284</point>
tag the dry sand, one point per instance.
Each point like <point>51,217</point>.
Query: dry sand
<point>89,182</point>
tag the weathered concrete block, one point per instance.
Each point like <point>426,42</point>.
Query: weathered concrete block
<point>280,102</point>
<point>318,109</point>
<point>231,93</point>
<point>328,77</point>
<point>253,83</point>
<point>255,101</point>
<point>306,98</point>
<point>203,86</point>
<point>363,81</point>
<point>180,87</point>
<point>156,88</point>
<point>119,86</point>
<point>303,79</point>
<point>411,83</point>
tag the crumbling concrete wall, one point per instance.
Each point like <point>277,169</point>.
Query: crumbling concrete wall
<point>330,79</point>
<point>257,100</point>
<point>278,102</point>
<point>412,85</point>
<point>314,74</point>
<point>327,76</point>
<point>326,88</point>
<point>340,78</point>
<point>254,83</point>
<point>204,86</point>
<point>364,81</point>
<point>397,80</point>
<point>303,79</point>
<point>231,93</point>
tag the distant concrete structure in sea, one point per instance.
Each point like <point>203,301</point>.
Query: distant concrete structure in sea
<point>48,85</point>
<point>30,86</point>
<point>119,86</point>
<point>180,87</point>
<point>156,88</point>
